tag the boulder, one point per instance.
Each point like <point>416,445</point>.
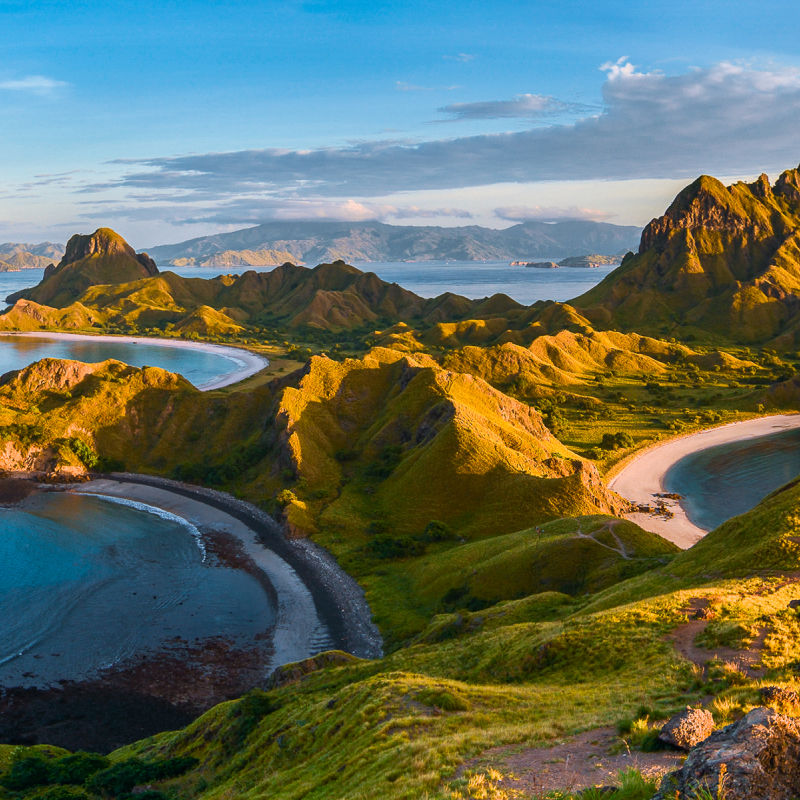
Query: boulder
<point>756,758</point>
<point>687,729</point>
<point>779,695</point>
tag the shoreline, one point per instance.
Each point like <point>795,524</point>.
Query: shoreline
<point>642,476</point>
<point>300,569</point>
<point>318,607</point>
<point>249,363</point>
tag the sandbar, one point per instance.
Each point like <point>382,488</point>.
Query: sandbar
<point>643,476</point>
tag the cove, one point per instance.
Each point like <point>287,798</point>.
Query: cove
<point>726,480</point>
<point>89,584</point>
<point>204,365</point>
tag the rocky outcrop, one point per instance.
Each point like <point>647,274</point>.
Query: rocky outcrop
<point>725,259</point>
<point>779,695</point>
<point>100,258</point>
<point>756,758</point>
<point>687,729</point>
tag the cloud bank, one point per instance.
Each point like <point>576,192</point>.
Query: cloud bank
<point>726,119</point>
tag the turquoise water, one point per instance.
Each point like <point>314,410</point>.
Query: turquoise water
<point>88,583</point>
<point>198,366</point>
<point>723,481</point>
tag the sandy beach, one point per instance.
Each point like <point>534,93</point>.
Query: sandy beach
<point>643,476</point>
<point>244,362</point>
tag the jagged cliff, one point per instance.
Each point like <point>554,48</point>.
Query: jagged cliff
<point>724,260</point>
<point>102,257</point>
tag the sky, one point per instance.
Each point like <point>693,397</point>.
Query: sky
<point>167,120</point>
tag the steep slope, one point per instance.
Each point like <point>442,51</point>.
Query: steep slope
<point>315,242</point>
<point>103,257</point>
<point>725,260</point>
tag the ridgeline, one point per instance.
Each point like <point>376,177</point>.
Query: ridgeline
<point>451,454</point>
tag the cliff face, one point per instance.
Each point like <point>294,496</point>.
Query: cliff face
<point>103,257</point>
<point>725,260</point>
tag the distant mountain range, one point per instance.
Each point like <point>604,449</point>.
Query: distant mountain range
<point>318,242</point>
<point>17,255</point>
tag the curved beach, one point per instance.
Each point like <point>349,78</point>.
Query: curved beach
<point>247,363</point>
<point>643,476</point>
<point>318,606</point>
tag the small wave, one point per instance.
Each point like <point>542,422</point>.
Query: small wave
<point>159,512</point>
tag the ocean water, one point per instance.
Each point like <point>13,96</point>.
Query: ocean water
<point>469,278</point>
<point>723,481</point>
<point>88,583</point>
<point>198,366</point>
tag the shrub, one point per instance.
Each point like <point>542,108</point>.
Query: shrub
<point>612,441</point>
<point>27,771</point>
<point>84,452</point>
<point>395,547</point>
<point>436,531</point>
<point>78,767</point>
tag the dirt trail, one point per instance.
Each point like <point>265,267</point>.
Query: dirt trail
<point>746,660</point>
<point>620,549</point>
<point>573,764</point>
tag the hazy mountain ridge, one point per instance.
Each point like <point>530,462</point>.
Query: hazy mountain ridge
<point>19,255</point>
<point>315,242</point>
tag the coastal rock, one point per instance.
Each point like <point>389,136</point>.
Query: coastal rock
<point>779,695</point>
<point>687,729</point>
<point>756,758</point>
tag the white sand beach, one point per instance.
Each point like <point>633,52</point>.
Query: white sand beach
<point>643,476</point>
<point>245,362</point>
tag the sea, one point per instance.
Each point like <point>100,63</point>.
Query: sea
<point>88,583</point>
<point>726,480</point>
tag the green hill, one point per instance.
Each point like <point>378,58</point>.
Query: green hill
<point>722,260</point>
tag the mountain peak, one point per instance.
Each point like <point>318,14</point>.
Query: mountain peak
<point>102,257</point>
<point>103,242</point>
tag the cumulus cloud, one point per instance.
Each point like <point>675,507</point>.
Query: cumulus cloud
<point>550,213</point>
<point>37,84</point>
<point>533,106</point>
<point>727,118</point>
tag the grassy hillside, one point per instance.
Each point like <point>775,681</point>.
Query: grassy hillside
<point>722,260</point>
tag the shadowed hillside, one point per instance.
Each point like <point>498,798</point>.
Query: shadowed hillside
<point>724,260</point>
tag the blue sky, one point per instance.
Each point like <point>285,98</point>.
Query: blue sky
<point>173,119</point>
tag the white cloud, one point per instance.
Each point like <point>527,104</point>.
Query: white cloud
<point>37,84</point>
<point>463,58</point>
<point>725,119</point>
<point>550,213</point>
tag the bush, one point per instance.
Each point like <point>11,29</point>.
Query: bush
<point>120,778</point>
<point>285,497</point>
<point>613,441</point>
<point>27,771</point>
<point>78,767</point>
<point>391,547</point>
<point>436,531</point>
<point>84,452</point>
